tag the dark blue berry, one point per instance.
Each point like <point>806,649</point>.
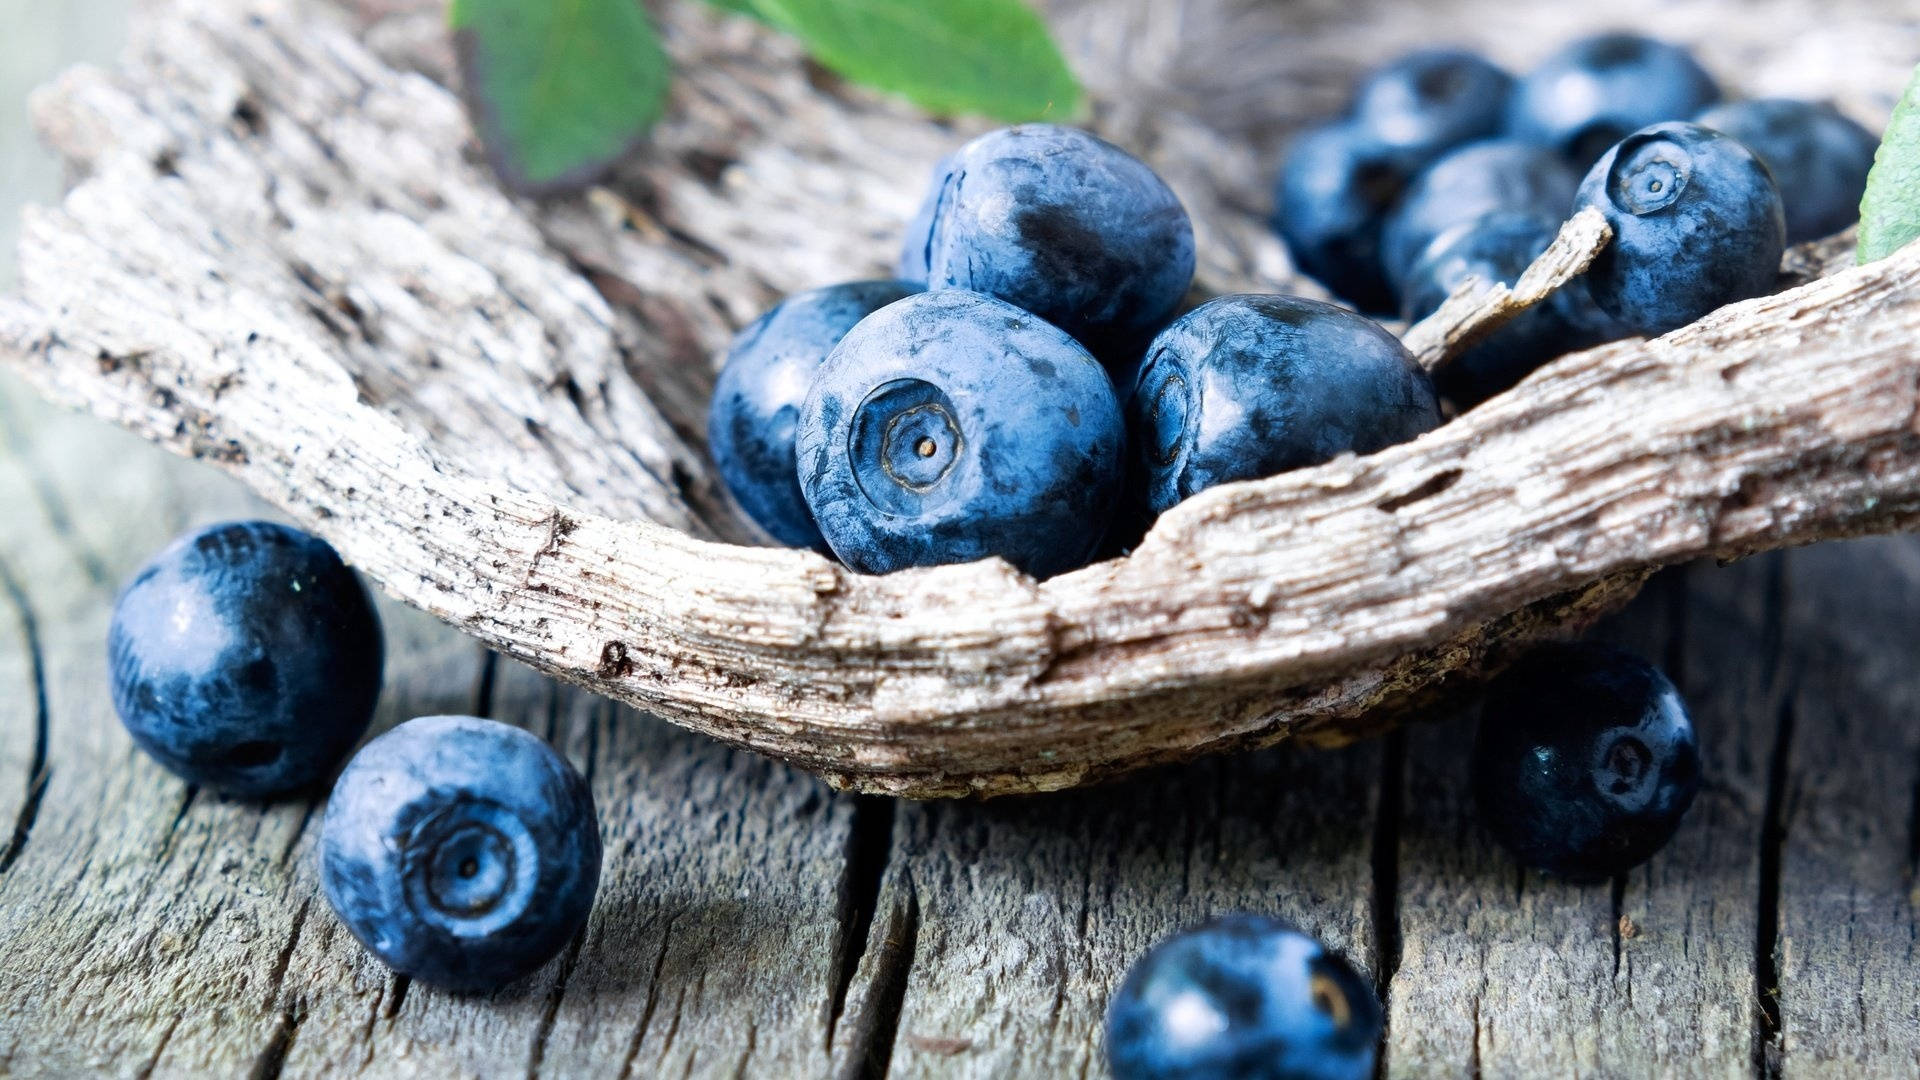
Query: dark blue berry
<point>1248,386</point>
<point>1585,762</point>
<point>1818,157</point>
<point>1598,90</point>
<point>952,426</point>
<point>1061,224</point>
<point>1697,224</point>
<point>756,399</point>
<point>246,657</point>
<point>1498,247</point>
<point>1498,174</point>
<point>1335,189</point>
<point>460,851</point>
<point>1430,101</point>
<point>1242,998</point>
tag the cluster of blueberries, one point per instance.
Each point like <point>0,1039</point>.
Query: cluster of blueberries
<point>1021,389</point>
<point>1445,167</point>
<point>1029,387</point>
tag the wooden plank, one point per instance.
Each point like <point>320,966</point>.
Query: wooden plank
<point>1513,973</point>
<point>1849,815</point>
<point>1020,916</point>
<point>154,929</point>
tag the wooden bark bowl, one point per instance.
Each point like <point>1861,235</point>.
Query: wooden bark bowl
<point>281,256</point>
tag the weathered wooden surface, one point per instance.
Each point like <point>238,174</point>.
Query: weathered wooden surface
<point>753,922</point>
<point>492,398</point>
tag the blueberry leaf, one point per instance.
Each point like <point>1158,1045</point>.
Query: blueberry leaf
<point>559,89</point>
<point>1890,211</point>
<point>949,56</point>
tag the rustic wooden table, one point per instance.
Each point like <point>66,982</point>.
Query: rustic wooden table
<point>753,922</point>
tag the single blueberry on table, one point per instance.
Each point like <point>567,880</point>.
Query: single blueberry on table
<point>1495,175</point>
<point>952,426</point>
<point>1585,762</point>
<point>1598,90</point>
<point>1248,386</point>
<point>1697,224</point>
<point>1498,247</point>
<point>246,657</point>
<point>1430,101</point>
<point>462,852</point>
<point>1243,997</point>
<point>1060,223</point>
<point>1818,157</point>
<point>1336,187</point>
<point>756,399</point>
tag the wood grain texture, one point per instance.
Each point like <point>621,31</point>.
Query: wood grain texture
<point>273,214</point>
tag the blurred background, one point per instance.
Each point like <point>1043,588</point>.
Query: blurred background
<point>41,38</point>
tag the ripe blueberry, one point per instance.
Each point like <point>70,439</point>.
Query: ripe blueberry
<point>756,399</point>
<point>1596,91</point>
<point>1248,386</point>
<point>1585,762</point>
<point>1498,247</point>
<point>1061,224</point>
<point>460,851</point>
<point>1697,224</point>
<point>246,657</point>
<point>1335,189</point>
<point>1498,174</point>
<point>952,426</point>
<point>1819,159</point>
<point>1243,997</point>
<point>1433,100</point>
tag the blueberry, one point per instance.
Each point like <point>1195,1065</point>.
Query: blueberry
<point>952,426</point>
<point>1585,762</point>
<point>1243,997</point>
<point>1248,386</point>
<point>1697,224</point>
<point>756,399</point>
<point>460,851</point>
<point>1433,100</point>
<point>1060,223</point>
<point>1335,189</point>
<point>1498,174</point>
<point>1818,157</point>
<point>1596,91</point>
<point>246,657</point>
<point>1498,247</point>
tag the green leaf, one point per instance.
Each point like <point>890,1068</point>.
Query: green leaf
<point>1890,212</point>
<point>559,89</point>
<point>950,56</point>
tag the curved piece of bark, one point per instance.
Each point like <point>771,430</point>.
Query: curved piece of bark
<point>283,259</point>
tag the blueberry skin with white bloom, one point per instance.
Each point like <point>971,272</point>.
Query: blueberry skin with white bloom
<point>756,399</point>
<point>1433,100</point>
<point>1818,157</point>
<point>1248,386</point>
<point>1697,224</point>
<point>1586,761</point>
<point>1243,997</point>
<point>462,852</point>
<point>1335,189</point>
<point>1597,90</point>
<point>950,427</point>
<point>246,657</point>
<point>1498,247</point>
<point>1475,180</point>
<point>1059,223</point>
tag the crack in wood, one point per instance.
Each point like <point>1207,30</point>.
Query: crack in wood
<point>653,1000</point>
<point>145,1072</point>
<point>165,848</point>
<point>870,1047</point>
<point>1768,1048</point>
<point>272,1059</point>
<point>1384,891</point>
<point>550,1011</point>
<point>869,848</point>
<point>285,959</point>
<point>38,771</point>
